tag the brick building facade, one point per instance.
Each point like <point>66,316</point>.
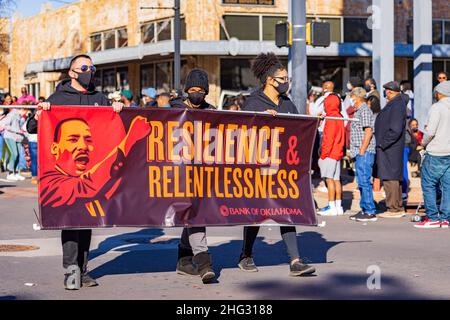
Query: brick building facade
<point>132,47</point>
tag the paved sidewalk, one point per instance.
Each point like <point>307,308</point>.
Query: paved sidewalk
<point>140,263</point>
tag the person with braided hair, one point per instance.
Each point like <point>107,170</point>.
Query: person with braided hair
<point>271,98</point>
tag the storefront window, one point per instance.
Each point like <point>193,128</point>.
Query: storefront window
<point>447,32</point>
<point>241,27</point>
<point>147,76</point>
<point>235,74</point>
<point>109,80</point>
<point>437,32</point>
<point>320,70</point>
<point>356,30</point>
<point>122,78</point>
<point>269,27</point>
<point>98,81</point>
<point>163,76</point>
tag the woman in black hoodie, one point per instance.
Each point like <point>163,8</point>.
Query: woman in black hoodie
<point>193,256</point>
<point>271,98</point>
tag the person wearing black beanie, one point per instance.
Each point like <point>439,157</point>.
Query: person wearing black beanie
<point>197,88</point>
<point>193,256</point>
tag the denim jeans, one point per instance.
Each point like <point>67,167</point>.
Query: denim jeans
<point>33,155</point>
<point>364,165</point>
<point>13,161</point>
<point>405,181</point>
<point>436,180</point>
<point>2,143</point>
<point>22,158</point>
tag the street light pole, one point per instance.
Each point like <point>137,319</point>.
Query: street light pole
<point>177,42</point>
<point>297,54</point>
<point>177,49</point>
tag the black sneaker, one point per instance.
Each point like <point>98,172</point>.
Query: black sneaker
<point>367,217</point>
<point>299,269</point>
<point>247,264</point>
<point>88,281</point>
<point>355,217</point>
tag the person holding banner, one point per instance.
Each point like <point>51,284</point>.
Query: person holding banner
<point>271,98</point>
<point>193,256</point>
<point>77,91</point>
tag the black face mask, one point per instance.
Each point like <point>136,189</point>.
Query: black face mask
<point>85,79</point>
<point>196,98</point>
<point>282,88</point>
<point>415,129</point>
<point>368,88</point>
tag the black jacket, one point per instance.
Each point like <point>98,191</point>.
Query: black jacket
<point>390,128</point>
<point>65,95</point>
<point>258,101</point>
<point>179,103</point>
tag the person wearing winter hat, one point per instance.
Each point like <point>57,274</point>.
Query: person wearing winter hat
<point>127,99</point>
<point>435,172</point>
<point>390,127</point>
<point>197,88</point>
<point>193,256</point>
<point>148,97</point>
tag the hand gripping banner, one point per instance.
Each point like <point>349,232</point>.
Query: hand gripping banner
<point>173,167</point>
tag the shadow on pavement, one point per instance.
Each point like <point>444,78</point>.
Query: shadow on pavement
<point>143,256</point>
<point>343,286</point>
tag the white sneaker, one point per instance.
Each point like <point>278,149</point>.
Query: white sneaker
<point>11,177</point>
<point>19,177</point>
<point>328,212</point>
<point>340,211</point>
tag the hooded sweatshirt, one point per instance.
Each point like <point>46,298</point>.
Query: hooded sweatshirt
<point>12,124</point>
<point>66,95</point>
<point>180,103</point>
<point>258,101</point>
<point>333,140</point>
<point>436,137</point>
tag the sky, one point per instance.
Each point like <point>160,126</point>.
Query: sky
<point>32,7</point>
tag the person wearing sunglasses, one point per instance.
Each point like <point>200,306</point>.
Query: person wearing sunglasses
<point>79,90</point>
<point>271,98</point>
<point>442,76</point>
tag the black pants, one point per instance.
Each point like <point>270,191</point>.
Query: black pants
<point>75,244</point>
<point>289,235</point>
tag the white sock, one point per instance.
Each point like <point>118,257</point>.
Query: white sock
<point>338,203</point>
<point>332,204</point>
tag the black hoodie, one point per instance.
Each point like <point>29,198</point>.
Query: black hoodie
<point>66,95</point>
<point>179,103</point>
<point>258,101</point>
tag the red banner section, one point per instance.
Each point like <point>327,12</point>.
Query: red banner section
<point>173,167</point>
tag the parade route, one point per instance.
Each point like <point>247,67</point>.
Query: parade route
<point>140,263</point>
